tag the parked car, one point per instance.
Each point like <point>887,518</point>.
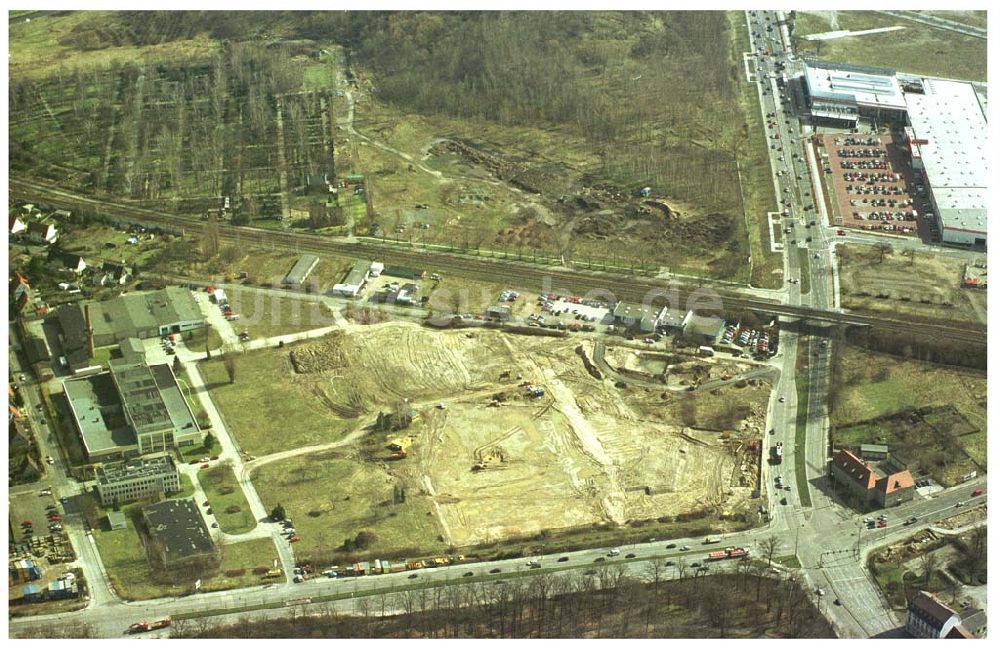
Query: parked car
<point>495,570</point>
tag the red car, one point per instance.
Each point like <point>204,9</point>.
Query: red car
<point>205,466</point>
<point>977,492</point>
<point>26,524</point>
<point>55,517</point>
<point>294,538</point>
<point>882,524</point>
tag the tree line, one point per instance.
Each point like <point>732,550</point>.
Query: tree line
<point>607,603</point>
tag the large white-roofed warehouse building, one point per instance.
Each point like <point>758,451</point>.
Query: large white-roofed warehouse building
<point>948,146</point>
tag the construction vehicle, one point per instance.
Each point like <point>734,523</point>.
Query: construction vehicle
<point>712,540</point>
<point>418,564</point>
<point>440,561</point>
<point>726,376</point>
<point>160,624</point>
<point>730,552</point>
<point>138,628</point>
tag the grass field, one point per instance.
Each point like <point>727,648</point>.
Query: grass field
<point>331,497</point>
<point>42,46</point>
<point>876,386</point>
<point>755,168</point>
<point>295,417</point>
<point>124,557</point>
<point>928,287</point>
<point>918,48</point>
<point>805,277</point>
<point>224,494</point>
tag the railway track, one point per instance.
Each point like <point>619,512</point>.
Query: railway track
<point>519,274</point>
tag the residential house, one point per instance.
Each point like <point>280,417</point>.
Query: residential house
<point>16,225</point>
<point>42,233</point>
<point>68,261</point>
<point>112,273</point>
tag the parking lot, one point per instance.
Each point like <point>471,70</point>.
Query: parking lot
<point>873,186</point>
<point>43,537</point>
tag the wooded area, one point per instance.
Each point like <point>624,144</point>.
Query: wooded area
<point>606,604</point>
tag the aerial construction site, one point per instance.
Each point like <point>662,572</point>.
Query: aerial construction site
<point>505,436</point>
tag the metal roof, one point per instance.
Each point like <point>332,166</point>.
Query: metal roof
<point>301,269</point>
<point>864,86</point>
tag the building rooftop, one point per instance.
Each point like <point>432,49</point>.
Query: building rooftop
<point>179,527</point>
<point>875,449</point>
<point>126,315</point>
<point>951,118</point>
<point>926,606</point>
<point>357,275</point>
<point>141,399</point>
<point>856,468</point>
<point>135,468</point>
<point>300,271</point>
<point>865,86</point>
<point>708,326</point>
<point>97,410</point>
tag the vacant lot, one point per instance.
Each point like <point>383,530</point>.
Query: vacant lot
<point>229,505</point>
<point>268,408</point>
<point>124,557</point>
<point>332,496</point>
<point>600,454</point>
<point>935,414</point>
<point>922,285</point>
<point>917,48</point>
<point>269,312</point>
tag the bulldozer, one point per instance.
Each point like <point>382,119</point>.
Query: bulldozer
<point>489,458</point>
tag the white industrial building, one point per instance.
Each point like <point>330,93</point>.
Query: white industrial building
<point>841,93</point>
<point>948,146</point>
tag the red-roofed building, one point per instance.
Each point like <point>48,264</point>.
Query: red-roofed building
<point>881,484</point>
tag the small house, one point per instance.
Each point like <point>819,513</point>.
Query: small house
<point>69,261</point>
<point>16,226</point>
<point>116,273</point>
<point>42,233</point>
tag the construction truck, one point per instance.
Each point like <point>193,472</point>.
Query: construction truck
<point>273,573</point>
<point>160,624</point>
<point>138,628</point>
<point>440,561</point>
<point>417,564</point>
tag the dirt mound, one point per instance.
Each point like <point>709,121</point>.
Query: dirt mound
<point>321,356</point>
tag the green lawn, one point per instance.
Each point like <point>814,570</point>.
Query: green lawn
<point>265,383</point>
<point>187,488</point>
<point>124,558</point>
<point>189,454</point>
<point>224,494</point>
<point>195,339</point>
<point>804,275</point>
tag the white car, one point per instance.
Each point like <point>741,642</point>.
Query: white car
<point>781,399</point>
<point>50,460</point>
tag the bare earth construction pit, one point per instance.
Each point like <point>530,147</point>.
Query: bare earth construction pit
<point>486,460</point>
